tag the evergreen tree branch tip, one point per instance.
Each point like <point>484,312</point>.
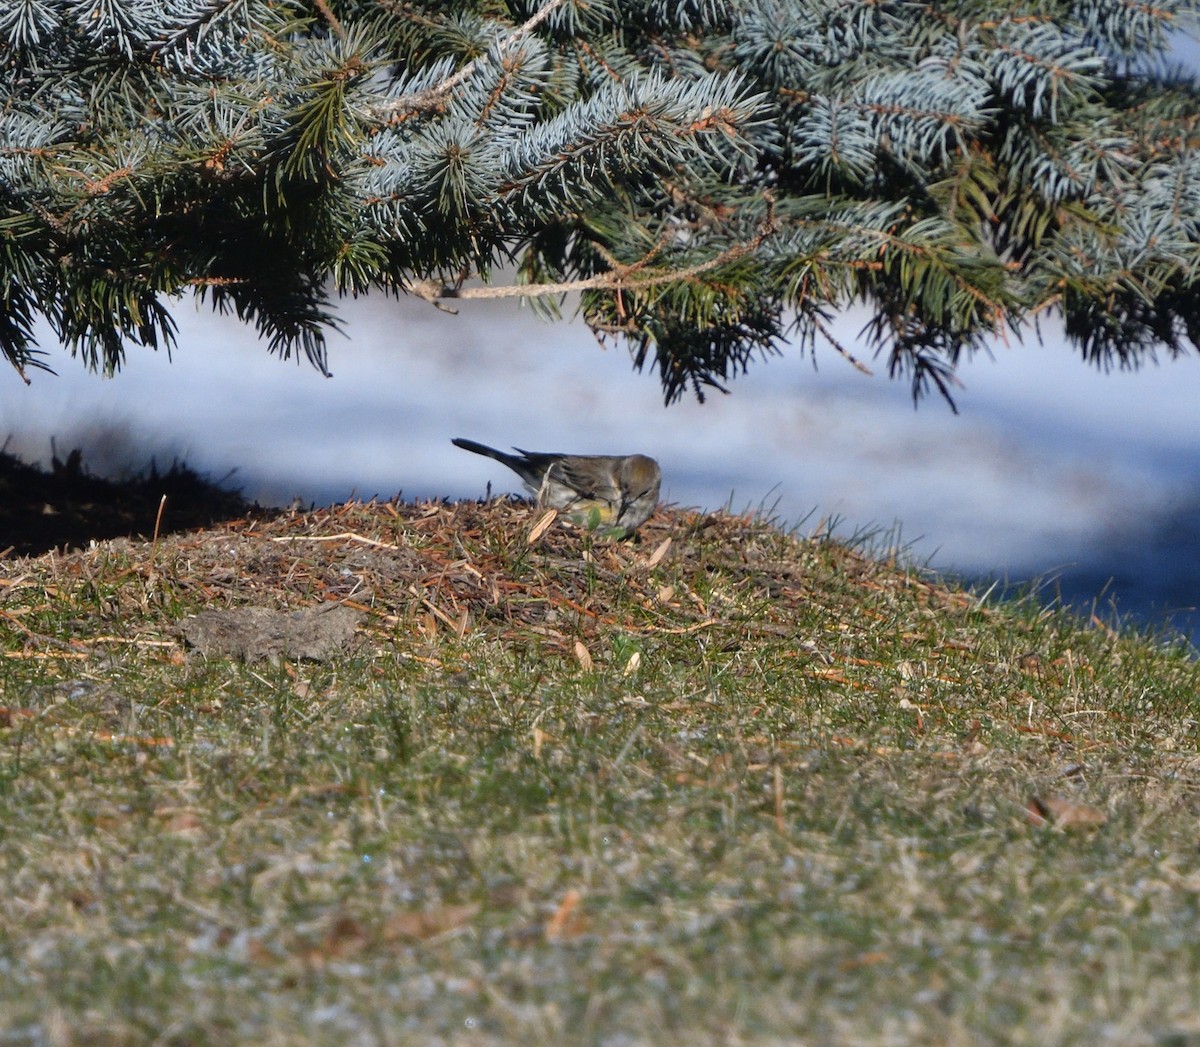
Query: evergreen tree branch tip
<point>436,94</point>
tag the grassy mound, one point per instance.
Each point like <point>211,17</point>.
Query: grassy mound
<point>722,785</point>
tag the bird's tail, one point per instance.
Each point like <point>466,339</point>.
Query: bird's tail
<point>490,452</point>
<point>529,467</point>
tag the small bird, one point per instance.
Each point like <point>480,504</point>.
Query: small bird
<point>612,491</point>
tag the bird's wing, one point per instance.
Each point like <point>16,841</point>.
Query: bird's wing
<point>590,483</point>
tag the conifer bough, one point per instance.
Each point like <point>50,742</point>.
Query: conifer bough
<point>713,177</point>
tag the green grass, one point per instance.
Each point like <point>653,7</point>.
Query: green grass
<point>788,803</point>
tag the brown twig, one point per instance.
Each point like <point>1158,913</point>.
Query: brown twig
<point>345,535</point>
<point>331,18</point>
<point>622,278</point>
<point>849,356</point>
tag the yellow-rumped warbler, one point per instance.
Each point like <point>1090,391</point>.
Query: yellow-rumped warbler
<point>612,491</point>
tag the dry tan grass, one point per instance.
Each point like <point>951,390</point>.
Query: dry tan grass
<point>721,785</point>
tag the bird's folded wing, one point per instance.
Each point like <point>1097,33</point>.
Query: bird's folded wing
<point>585,479</point>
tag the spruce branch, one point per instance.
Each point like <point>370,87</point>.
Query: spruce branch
<point>436,95</point>
<point>629,277</point>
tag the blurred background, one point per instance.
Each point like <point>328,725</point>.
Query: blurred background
<point>1087,481</point>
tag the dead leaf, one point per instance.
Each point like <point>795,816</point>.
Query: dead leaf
<point>583,657</point>
<point>344,937</point>
<point>1062,814</point>
<point>567,921</point>
<point>182,821</point>
<point>656,557</point>
<point>10,713</point>
<point>542,526</point>
<point>428,923</point>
